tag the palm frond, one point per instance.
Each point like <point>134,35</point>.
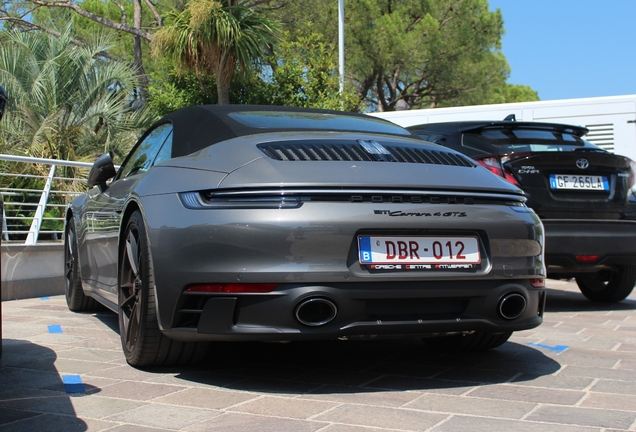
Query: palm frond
<point>66,101</point>
<point>209,36</point>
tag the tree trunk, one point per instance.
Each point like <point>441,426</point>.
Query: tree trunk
<point>137,53</point>
<point>224,72</point>
<point>223,89</point>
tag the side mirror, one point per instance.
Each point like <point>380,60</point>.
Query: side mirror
<point>103,169</point>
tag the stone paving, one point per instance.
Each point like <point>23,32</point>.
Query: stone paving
<point>62,371</point>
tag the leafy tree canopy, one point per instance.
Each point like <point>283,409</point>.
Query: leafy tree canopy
<point>305,74</point>
<point>426,52</point>
<point>301,72</point>
<point>170,90</point>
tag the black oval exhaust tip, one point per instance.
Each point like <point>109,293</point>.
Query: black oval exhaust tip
<point>512,306</point>
<point>316,311</point>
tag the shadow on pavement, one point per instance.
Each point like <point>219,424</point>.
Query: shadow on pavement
<point>107,317</point>
<point>358,366</point>
<point>361,367</point>
<point>33,395</point>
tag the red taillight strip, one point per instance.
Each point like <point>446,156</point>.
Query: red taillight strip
<point>231,288</point>
<point>538,283</point>
<point>587,258</point>
<point>632,174</point>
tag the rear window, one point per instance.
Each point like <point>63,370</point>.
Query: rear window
<point>315,121</point>
<point>526,140</point>
<point>434,138</point>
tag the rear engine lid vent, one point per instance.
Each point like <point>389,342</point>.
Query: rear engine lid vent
<point>361,151</point>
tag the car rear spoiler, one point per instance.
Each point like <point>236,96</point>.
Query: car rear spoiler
<point>578,131</point>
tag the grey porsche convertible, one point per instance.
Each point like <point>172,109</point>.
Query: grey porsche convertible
<point>263,223</point>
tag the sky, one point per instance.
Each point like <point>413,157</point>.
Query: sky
<point>568,49</point>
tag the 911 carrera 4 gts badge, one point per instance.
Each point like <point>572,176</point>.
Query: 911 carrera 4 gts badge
<point>419,214</point>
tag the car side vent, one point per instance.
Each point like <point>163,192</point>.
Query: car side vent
<point>358,152</point>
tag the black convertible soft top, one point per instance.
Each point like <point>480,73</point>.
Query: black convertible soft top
<point>198,127</point>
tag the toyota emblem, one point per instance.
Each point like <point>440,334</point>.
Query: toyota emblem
<point>582,163</point>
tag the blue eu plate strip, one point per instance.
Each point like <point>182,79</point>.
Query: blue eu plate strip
<point>56,328</point>
<point>73,384</point>
<point>365,249</point>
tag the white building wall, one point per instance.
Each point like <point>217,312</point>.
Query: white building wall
<point>612,119</point>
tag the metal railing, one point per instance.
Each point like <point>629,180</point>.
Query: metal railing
<point>25,218</point>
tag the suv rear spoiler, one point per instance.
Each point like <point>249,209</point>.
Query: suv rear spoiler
<point>578,131</point>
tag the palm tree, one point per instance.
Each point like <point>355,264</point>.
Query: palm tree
<point>66,102</point>
<point>219,38</point>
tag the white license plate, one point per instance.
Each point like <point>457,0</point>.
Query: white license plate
<point>578,182</point>
<point>418,250</point>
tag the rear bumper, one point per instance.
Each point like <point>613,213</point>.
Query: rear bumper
<point>361,310</point>
<point>614,241</point>
<point>312,250</point>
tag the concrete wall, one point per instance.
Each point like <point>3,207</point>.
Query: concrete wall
<point>32,271</point>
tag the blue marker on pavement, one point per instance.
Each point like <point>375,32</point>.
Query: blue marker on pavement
<point>556,349</point>
<point>73,384</point>
<point>55,328</point>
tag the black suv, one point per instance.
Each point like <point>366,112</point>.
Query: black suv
<point>583,194</point>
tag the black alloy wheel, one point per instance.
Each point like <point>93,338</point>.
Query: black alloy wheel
<point>76,300</point>
<point>142,341</point>
<point>607,286</point>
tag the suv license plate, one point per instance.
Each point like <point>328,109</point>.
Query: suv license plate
<point>574,182</point>
<point>418,250</point>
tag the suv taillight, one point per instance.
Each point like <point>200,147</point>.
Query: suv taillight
<point>495,164</point>
<point>632,181</point>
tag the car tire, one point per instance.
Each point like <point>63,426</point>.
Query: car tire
<point>607,286</point>
<point>76,300</point>
<point>142,341</point>
<point>476,341</point>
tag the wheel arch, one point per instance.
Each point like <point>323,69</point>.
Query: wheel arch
<point>128,210</point>
<point>131,206</point>
<point>69,214</point>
